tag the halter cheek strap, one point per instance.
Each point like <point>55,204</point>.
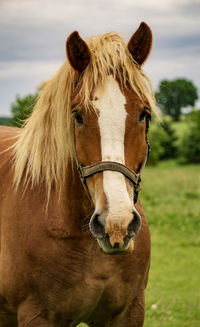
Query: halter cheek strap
<point>86,171</point>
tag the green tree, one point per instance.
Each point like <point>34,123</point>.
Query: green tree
<point>190,147</point>
<point>157,137</point>
<point>5,120</point>
<point>163,139</point>
<point>174,95</point>
<point>169,141</point>
<point>22,108</point>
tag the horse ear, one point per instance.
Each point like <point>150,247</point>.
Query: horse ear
<point>140,43</point>
<point>78,52</point>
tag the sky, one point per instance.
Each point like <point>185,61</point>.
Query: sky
<point>33,35</point>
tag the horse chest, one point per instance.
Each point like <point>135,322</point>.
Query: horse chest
<point>99,286</point>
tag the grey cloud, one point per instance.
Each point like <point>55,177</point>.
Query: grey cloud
<point>35,31</point>
<point>31,43</point>
<point>177,43</point>
<point>190,7</point>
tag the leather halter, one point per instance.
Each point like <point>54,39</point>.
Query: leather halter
<point>86,171</point>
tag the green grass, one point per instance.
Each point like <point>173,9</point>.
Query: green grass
<point>171,200</point>
<point>171,195</point>
<point>173,297</point>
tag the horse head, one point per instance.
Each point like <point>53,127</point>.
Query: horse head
<point>111,128</point>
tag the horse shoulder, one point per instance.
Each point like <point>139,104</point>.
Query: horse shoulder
<point>8,136</point>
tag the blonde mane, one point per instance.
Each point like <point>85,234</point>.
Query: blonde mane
<point>45,143</point>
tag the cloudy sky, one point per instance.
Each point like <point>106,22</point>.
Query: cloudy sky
<point>33,34</point>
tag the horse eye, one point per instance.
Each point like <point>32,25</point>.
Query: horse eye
<point>79,118</point>
<point>144,115</point>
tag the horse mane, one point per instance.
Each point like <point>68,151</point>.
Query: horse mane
<point>45,144</point>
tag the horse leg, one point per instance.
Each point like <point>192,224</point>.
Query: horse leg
<point>134,316</point>
<point>7,317</point>
<point>32,314</point>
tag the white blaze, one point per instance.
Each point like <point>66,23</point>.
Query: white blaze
<point>112,120</point>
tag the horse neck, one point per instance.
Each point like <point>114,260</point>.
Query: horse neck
<point>76,195</point>
<point>69,212</point>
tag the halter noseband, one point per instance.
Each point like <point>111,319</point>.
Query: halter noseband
<point>86,171</point>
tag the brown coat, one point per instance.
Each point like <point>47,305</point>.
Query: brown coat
<point>52,272</point>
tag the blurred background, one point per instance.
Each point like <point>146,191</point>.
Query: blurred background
<point>32,48</point>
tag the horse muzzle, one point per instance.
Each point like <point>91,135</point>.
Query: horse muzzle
<point>115,235</point>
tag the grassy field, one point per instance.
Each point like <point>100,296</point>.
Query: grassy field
<point>171,199</point>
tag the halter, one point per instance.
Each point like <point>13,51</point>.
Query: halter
<point>86,171</point>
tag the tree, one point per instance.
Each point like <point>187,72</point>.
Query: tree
<point>190,147</point>
<point>5,120</point>
<point>157,136</point>
<point>22,108</point>
<point>162,138</point>
<point>174,95</point>
<point>169,142</point>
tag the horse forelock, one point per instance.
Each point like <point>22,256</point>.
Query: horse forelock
<point>45,144</point>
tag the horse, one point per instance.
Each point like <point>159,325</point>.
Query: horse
<point>75,243</point>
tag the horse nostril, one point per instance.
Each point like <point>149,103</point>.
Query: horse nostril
<point>97,227</point>
<point>134,225</point>
<point>116,245</point>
